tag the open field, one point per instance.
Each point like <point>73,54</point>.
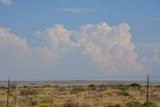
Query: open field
<point>79,94</point>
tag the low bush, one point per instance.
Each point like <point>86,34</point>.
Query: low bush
<point>133,104</point>
<point>124,93</point>
<point>121,87</point>
<point>149,104</point>
<point>136,85</point>
<point>92,87</point>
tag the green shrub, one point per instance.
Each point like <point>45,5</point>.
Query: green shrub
<point>135,85</point>
<point>92,87</point>
<point>124,93</point>
<point>121,87</point>
<point>43,105</point>
<point>149,104</point>
<point>134,104</point>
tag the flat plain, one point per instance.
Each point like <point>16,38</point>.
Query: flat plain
<point>79,93</point>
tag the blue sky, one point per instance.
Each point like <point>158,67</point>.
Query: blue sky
<point>26,18</point>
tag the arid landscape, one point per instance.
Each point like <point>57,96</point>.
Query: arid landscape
<point>79,94</point>
<point>79,53</point>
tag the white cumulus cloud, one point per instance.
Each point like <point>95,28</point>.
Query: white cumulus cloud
<point>57,38</point>
<point>109,47</point>
<point>17,56</point>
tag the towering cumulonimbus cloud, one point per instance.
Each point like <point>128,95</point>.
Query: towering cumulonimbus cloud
<point>109,47</point>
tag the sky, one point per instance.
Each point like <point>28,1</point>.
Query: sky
<point>49,39</point>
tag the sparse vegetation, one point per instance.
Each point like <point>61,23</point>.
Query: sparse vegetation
<point>92,95</point>
<point>76,89</point>
<point>138,104</point>
<point>133,104</point>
